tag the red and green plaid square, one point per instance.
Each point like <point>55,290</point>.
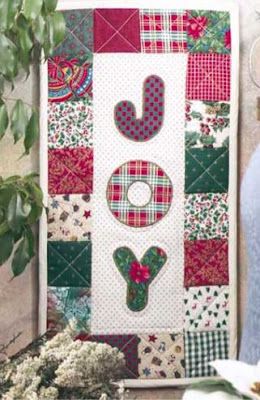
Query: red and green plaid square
<point>163,31</point>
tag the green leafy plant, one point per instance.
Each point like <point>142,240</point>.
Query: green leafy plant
<point>28,28</point>
<point>21,205</point>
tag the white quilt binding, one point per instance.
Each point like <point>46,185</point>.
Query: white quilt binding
<point>221,5</point>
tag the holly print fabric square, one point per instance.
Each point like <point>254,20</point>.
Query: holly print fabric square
<point>117,30</point>
<point>138,161</point>
<point>161,356</point>
<point>69,264</point>
<point>208,77</point>
<point>203,347</point>
<point>208,32</point>
<point>70,171</point>
<point>70,124</point>
<point>207,124</point>
<point>78,36</point>
<point>69,217</point>
<point>206,216</point>
<point>163,31</point>
<point>206,262</point>
<point>66,304</point>
<point>206,308</point>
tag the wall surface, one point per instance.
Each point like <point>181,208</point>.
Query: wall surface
<point>19,297</point>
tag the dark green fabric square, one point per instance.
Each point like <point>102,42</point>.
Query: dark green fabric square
<point>69,264</point>
<point>207,170</point>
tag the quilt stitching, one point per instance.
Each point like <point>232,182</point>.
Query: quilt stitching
<point>208,31</point>
<point>163,31</point>
<point>117,31</point>
<point>206,257</point>
<point>70,265</point>
<point>206,308</point>
<point>71,32</point>
<point>201,82</point>
<point>206,171</point>
<point>133,340</point>
<point>87,156</point>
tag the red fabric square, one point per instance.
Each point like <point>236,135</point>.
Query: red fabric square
<point>208,77</point>
<point>206,262</point>
<point>127,344</point>
<point>70,171</point>
<point>117,30</point>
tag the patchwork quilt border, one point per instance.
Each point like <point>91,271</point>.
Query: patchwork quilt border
<point>222,5</point>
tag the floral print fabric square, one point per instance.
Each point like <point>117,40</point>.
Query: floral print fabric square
<point>69,217</point>
<point>66,304</point>
<point>163,31</point>
<point>209,32</point>
<point>202,348</point>
<point>206,308</point>
<point>70,171</point>
<point>78,36</point>
<point>206,216</point>
<point>161,356</point>
<point>206,262</point>
<point>208,77</point>
<point>207,124</point>
<point>70,124</point>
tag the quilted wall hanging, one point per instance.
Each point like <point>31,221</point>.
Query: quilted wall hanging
<point>138,166</point>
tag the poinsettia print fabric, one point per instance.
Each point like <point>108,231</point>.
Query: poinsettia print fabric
<point>208,32</point>
<point>161,356</point>
<point>206,262</point>
<point>70,171</point>
<point>66,304</point>
<point>206,308</point>
<point>69,217</point>
<point>206,216</point>
<point>70,124</point>
<point>207,124</point>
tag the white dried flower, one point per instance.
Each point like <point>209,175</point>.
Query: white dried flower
<point>50,393</point>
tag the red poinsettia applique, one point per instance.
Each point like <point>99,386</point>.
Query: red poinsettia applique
<point>197,27</point>
<point>139,273</point>
<point>227,39</point>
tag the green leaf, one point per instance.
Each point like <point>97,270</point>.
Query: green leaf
<point>8,10</point>
<point>6,247</point>
<point>56,29</point>
<point>17,212</point>
<point>50,5</point>
<point>2,84</point>
<point>32,132</point>
<point>39,29</point>
<point>8,59</point>
<point>6,194</point>
<point>31,241</point>
<point>35,214</point>
<point>35,192</point>
<point>32,8</point>
<point>21,256</point>
<point>4,120</point>
<point>19,120</point>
